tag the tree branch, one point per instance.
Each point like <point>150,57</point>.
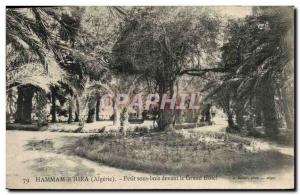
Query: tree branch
<point>200,72</point>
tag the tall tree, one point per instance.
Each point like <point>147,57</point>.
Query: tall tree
<point>257,59</point>
<point>160,42</point>
<point>35,38</point>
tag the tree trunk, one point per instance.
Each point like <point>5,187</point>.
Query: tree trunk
<point>269,111</point>
<point>91,115</point>
<point>270,123</point>
<point>125,118</point>
<point>27,105</point>
<point>116,116</point>
<point>179,116</point>
<point>124,121</point>
<point>231,124</point>
<point>77,112</point>
<point>19,111</point>
<point>139,113</point>
<point>288,118</point>
<point>240,118</point>
<point>258,118</point>
<point>288,106</point>
<point>166,118</point>
<point>41,98</point>
<point>98,110</point>
<point>208,114</point>
<point>70,110</point>
<point>53,108</point>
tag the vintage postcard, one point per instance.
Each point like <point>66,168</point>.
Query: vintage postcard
<point>197,97</point>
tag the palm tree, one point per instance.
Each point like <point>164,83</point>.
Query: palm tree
<point>256,58</point>
<point>40,37</point>
<point>33,47</point>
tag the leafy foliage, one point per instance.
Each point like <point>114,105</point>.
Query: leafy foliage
<point>256,57</point>
<point>159,42</point>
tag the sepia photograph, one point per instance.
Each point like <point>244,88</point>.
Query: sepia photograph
<point>150,97</point>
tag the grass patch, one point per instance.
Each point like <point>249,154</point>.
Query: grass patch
<point>39,145</point>
<point>176,154</point>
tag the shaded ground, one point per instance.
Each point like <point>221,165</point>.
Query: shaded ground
<point>31,155</point>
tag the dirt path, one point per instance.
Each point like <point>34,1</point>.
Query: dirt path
<point>34,165</point>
